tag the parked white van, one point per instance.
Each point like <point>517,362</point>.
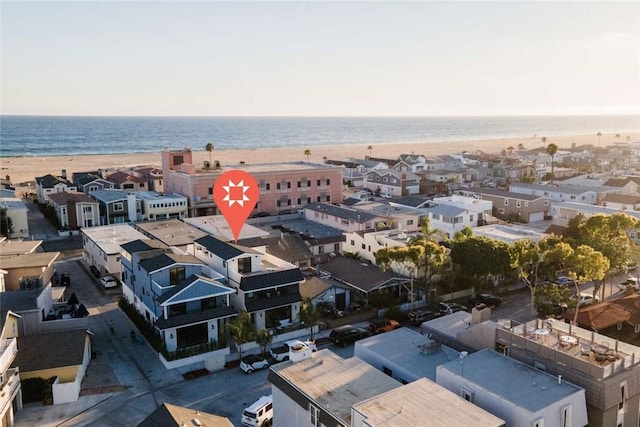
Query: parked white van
<point>260,413</point>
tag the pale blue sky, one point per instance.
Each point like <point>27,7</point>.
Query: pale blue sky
<point>320,58</point>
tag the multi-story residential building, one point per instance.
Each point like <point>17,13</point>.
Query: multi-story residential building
<point>392,183</point>
<point>101,246</point>
<point>153,176</point>
<point>517,393</point>
<point>557,193</point>
<point>49,184</point>
<point>283,186</point>
<point>29,270</point>
<point>75,210</point>
<point>154,206</point>
<point>622,202</point>
<point>365,245</point>
<point>11,396</point>
<point>606,368</point>
<point>16,212</point>
<point>352,173</point>
<point>116,206</point>
<point>346,219</point>
<point>266,287</point>
<point>172,292</point>
<point>404,218</point>
<point>526,207</point>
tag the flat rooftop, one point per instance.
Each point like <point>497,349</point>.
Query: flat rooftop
<point>414,403</point>
<point>171,232</point>
<point>508,233</point>
<point>110,237</point>
<point>334,383</point>
<point>511,380</point>
<point>269,167</point>
<point>218,227</point>
<point>415,353</point>
<point>16,247</point>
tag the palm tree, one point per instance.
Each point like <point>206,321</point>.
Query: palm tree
<point>521,147</point>
<point>209,149</point>
<point>307,153</point>
<point>552,149</point>
<point>599,134</point>
<point>510,150</point>
<point>617,137</point>
<point>544,140</point>
<point>370,148</point>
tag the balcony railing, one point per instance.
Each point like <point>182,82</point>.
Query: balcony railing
<point>10,383</point>
<point>8,352</point>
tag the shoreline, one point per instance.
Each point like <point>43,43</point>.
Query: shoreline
<point>24,169</point>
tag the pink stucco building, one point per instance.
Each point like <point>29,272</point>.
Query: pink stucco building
<point>284,187</point>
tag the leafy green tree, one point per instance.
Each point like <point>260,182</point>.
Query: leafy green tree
<point>525,258</point>
<point>479,256</point>
<point>309,315</point>
<point>587,265</point>
<point>465,233</point>
<point>552,300</point>
<point>242,330</point>
<point>264,338</point>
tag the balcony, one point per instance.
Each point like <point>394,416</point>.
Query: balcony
<point>8,352</point>
<point>9,387</point>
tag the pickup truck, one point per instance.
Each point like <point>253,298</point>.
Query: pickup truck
<point>281,352</point>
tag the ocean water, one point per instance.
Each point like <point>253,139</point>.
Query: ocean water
<point>57,135</point>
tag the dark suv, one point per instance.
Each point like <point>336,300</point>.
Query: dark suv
<point>486,299</point>
<point>347,334</point>
<point>419,316</point>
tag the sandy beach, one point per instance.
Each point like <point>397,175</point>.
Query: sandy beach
<point>23,170</point>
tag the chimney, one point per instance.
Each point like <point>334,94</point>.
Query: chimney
<point>63,174</point>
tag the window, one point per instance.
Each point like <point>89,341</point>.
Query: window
<point>277,186</point>
<point>501,211</point>
<point>352,242</point>
<point>244,265</point>
<point>210,190</point>
<point>299,201</point>
<point>318,183</point>
<point>623,395</point>
<point>506,202</point>
<point>336,248</point>
<point>308,183</point>
<point>299,184</point>
<point>320,249</point>
<point>328,181</point>
<point>118,207</point>
<point>409,222</point>
<point>518,203</point>
<point>363,246</point>
<point>314,415</point>
<point>267,186</point>
<point>466,394</point>
<point>566,416</point>
<point>176,275</point>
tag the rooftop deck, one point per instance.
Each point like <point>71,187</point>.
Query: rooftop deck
<point>582,350</point>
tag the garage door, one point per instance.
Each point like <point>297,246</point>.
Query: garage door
<point>537,216</point>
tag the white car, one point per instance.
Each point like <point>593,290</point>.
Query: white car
<point>108,282</point>
<point>586,298</point>
<point>252,363</point>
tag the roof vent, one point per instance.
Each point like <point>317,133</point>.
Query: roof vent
<point>196,422</point>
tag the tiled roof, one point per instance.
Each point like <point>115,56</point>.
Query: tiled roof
<point>314,286</point>
<point>66,197</point>
<point>601,316</point>
<point>275,302</point>
<point>271,279</point>
<point>222,249</point>
<point>196,317</point>
<point>43,351</point>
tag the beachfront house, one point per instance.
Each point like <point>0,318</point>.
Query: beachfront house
<point>49,184</point>
<point>86,182</point>
<point>16,211</point>
<point>392,183</point>
<point>127,181</point>
<point>155,206</point>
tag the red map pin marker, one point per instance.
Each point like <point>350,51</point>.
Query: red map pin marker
<point>236,194</point>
